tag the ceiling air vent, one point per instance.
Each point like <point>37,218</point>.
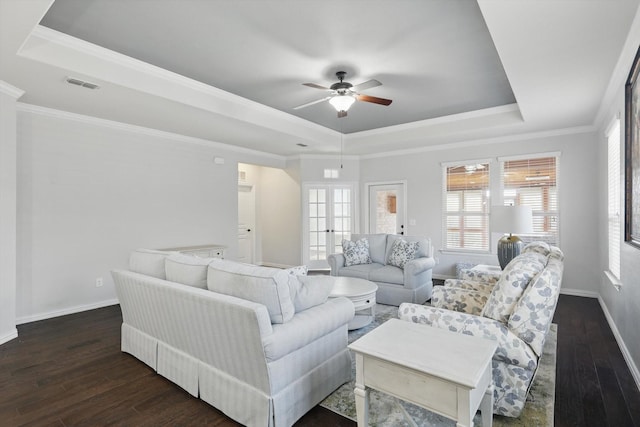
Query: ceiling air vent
<point>301,145</point>
<point>78,82</point>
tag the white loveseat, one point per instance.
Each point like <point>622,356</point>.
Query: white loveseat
<point>262,364</point>
<point>395,285</point>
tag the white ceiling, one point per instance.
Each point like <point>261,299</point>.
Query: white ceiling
<point>230,71</point>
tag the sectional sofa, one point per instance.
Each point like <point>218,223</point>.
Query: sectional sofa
<point>262,345</point>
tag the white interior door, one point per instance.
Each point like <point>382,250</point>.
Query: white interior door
<point>246,223</point>
<point>328,219</point>
<point>387,208</point>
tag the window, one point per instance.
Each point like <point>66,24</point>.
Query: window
<point>614,197</point>
<point>532,181</point>
<point>466,206</point>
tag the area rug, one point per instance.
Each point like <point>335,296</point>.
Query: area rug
<point>385,410</point>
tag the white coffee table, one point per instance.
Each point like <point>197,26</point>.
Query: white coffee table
<point>362,294</point>
<point>444,372</point>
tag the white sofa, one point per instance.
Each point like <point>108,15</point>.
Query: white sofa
<point>262,364</point>
<point>395,285</point>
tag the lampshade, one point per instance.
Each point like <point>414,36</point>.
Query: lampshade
<point>342,102</point>
<point>511,219</point>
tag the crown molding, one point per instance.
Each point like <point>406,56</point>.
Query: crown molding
<point>141,130</point>
<point>336,156</point>
<point>503,109</point>
<point>485,141</point>
<point>10,90</point>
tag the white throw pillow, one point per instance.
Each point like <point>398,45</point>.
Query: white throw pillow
<point>309,291</point>
<point>402,252</point>
<point>300,270</point>
<point>264,285</point>
<point>149,262</point>
<point>188,270</point>
<point>356,253</point>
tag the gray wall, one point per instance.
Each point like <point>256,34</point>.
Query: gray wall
<point>623,306</point>
<point>577,201</point>
<point>8,164</point>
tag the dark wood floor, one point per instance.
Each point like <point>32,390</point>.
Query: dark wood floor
<point>69,371</point>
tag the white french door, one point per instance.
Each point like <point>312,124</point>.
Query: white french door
<point>386,208</point>
<point>328,218</point>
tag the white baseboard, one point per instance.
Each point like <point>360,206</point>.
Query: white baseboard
<point>579,293</point>
<point>64,312</point>
<point>10,336</point>
<point>623,348</point>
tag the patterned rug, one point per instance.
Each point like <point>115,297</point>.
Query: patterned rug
<point>385,410</point>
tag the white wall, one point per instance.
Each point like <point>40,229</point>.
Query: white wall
<point>280,216</point>
<point>90,191</point>
<point>578,204</point>
<point>8,165</point>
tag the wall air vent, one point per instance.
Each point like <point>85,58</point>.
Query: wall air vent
<point>82,83</point>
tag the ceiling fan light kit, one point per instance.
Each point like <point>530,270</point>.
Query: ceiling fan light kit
<point>342,102</point>
<point>344,94</point>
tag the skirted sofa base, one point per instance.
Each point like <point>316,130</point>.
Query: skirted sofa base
<point>227,351</point>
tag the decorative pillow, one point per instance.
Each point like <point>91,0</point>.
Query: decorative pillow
<point>264,285</point>
<point>149,262</point>
<point>402,252</point>
<point>309,291</point>
<point>356,252</point>
<point>300,270</point>
<point>188,270</point>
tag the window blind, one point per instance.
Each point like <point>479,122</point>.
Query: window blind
<point>614,198</point>
<point>532,181</point>
<point>466,204</point>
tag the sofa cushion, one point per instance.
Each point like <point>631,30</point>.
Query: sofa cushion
<point>509,288</point>
<point>149,262</point>
<point>387,274</point>
<point>363,271</point>
<point>264,285</point>
<point>188,270</point>
<point>377,246</point>
<point>356,252</point>
<point>309,291</point>
<point>402,252</point>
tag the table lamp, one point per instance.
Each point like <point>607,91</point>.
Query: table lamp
<point>512,220</point>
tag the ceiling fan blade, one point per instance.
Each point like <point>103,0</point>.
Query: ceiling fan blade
<point>374,99</point>
<point>317,101</point>
<point>366,85</point>
<point>315,86</point>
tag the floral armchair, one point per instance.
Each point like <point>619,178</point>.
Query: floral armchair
<point>515,309</point>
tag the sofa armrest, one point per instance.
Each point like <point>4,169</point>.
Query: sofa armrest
<point>460,300</point>
<point>476,274</point>
<point>417,272</point>
<point>336,262</point>
<point>511,349</point>
<point>307,326</point>
<point>484,287</point>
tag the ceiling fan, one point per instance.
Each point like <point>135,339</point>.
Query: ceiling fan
<point>344,94</point>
